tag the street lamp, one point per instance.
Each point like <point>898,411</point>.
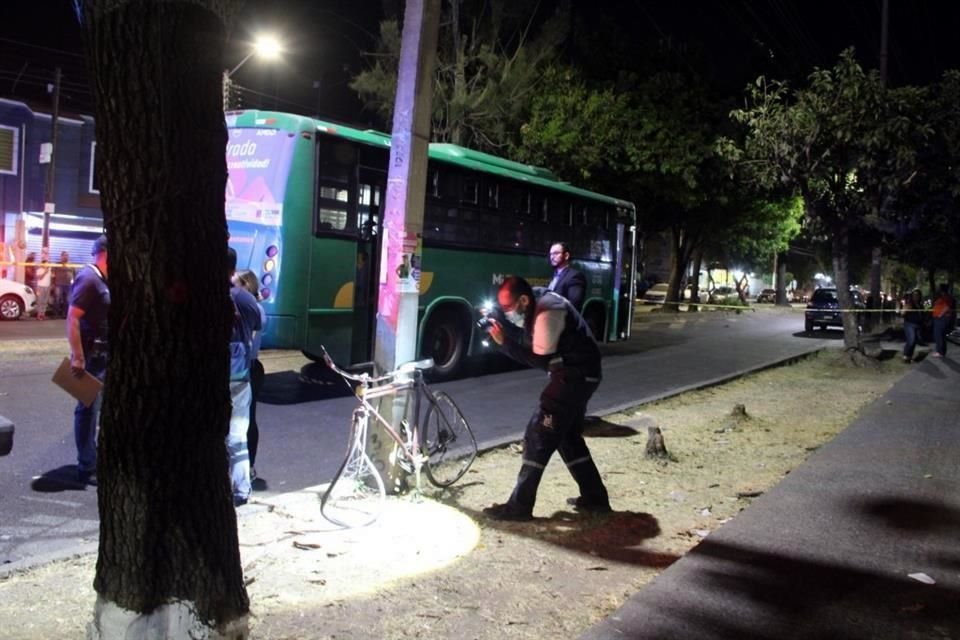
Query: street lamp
<point>265,46</point>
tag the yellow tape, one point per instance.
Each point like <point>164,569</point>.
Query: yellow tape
<point>752,308</point>
<point>72,265</point>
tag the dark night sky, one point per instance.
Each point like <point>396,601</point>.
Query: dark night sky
<point>738,39</point>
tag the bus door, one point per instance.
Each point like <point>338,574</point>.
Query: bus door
<point>624,279</point>
<point>370,196</point>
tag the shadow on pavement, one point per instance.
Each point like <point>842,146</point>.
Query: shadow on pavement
<point>617,536</point>
<point>60,479</point>
<point>290,387</point>
<point>788,597</point>
<point>596,427</point>
<point>909,515</point>
<point>823,334</point>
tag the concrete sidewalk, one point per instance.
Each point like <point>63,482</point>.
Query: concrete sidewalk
<point>861,541</point>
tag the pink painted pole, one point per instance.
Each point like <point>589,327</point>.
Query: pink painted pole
<point>396,338</point>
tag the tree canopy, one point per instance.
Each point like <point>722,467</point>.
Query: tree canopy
<point>489,67</point>
<point>845,142</point>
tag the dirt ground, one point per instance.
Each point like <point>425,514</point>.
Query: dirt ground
<point>441,570</point>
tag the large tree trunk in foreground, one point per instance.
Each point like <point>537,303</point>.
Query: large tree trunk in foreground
<point>169,560</point>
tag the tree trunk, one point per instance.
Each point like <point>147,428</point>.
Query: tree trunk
<point>876,300</point>
<point>840,244</point>
<point>679,259</point>
<point>169,559</point>
<point>782,281</point>
<point>695,288</point>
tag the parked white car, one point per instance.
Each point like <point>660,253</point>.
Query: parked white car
<point>657,294</point>
<point>15,299</point>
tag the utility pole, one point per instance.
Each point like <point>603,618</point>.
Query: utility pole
<point>396,338</point>
<point>876,255</point>
<point>49,205</point>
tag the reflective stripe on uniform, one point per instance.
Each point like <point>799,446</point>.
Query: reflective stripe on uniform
<point>535,465</point>
<point>578,461</point>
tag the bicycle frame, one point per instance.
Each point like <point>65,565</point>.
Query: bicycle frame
<point>405,379</point>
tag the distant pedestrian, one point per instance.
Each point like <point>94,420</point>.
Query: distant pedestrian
<point>246,324</point>
<point>944,315</point>
<point>567,281</point>
<point>44,275</point>
<point>62,281</point>
<point>248,280</point>
<point>30,271</point>
<point>912,322</point>
<point>87,336</point>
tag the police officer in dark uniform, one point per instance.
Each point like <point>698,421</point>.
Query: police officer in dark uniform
<point>548,333</point>
<point>87,336</point>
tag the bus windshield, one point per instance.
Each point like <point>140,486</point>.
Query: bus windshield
<point>258,164</point>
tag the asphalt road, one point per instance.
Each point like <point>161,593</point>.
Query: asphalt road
<point>304,427</point>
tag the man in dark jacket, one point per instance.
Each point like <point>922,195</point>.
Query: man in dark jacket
<point>548,333</point>
<point>567,281</point>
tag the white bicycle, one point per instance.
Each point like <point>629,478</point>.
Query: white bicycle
<point>442,444</point>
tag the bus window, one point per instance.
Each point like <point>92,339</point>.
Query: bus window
<point>493,195</point>
<point>433,183</point>
<point>558,212</point>
<point>368,206</point>
<point>336,205</point>
<point>470,190</point>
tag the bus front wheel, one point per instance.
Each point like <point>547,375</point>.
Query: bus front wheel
<point>445,340</point>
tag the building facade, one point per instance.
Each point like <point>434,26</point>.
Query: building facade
<point>75,214</point>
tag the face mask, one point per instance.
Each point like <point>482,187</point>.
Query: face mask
<point>515,317</point>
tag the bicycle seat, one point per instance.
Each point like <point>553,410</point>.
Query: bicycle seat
<point>426,363</point>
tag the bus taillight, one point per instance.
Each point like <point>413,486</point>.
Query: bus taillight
<point>267,279</point>
<point>272,251</point>
<point>268,266</point>
<point>264,293</point>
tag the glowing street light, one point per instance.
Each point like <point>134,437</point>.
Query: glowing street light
<point>266,46</point>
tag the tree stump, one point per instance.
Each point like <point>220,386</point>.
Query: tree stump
<point>655,446</point>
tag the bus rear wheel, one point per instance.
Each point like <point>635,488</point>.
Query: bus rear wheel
<point>445,340</point>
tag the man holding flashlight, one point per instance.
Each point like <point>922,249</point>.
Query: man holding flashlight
<point>548,333</point>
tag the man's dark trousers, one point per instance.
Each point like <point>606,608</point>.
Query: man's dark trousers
<point>557,425</point>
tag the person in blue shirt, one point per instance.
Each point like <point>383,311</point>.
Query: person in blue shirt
<point>87,337</point>
<point>246,324</point>
<point>249,281</point>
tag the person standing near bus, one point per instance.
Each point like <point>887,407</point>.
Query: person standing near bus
<point>548,333</point>
<point>246,323</point>
<point>248,280</point>
<point>87,337</point>
<point>568,281</point>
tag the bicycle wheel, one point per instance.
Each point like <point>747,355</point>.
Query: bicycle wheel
<point>356,494</point>
<point>447,441</point>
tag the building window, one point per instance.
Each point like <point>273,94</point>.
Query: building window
<point>94,185</point>
<point>9,150</point>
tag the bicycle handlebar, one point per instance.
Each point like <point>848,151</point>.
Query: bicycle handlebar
<point>366,378</point>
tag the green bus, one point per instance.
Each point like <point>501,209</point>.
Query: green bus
<point>303,207</point>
